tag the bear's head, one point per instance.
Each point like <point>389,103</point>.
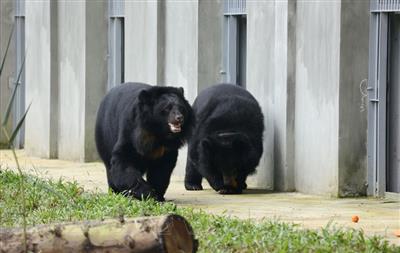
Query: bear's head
<point>165,111</point>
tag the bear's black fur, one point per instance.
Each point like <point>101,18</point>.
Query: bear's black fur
<point>139,130</point>
<point>227,141</point>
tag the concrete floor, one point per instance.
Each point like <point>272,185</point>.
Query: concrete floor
<point>377,216</point>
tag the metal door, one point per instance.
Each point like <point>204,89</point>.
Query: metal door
<point>235,38</point>
<point>382,124</point>
<point>393,107</point>
<point>116,47</point>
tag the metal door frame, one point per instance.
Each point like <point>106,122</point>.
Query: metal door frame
<point>19,103</point>
<point>233,10</point>
<point>377,89</point>
<point>116,37</point>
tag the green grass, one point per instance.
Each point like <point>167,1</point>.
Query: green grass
<point>54,201</point>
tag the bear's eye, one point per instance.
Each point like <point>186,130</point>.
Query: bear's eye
<point>167,108</point>
<point>182,109</point>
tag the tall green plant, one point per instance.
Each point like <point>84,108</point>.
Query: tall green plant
<point>11,137</point>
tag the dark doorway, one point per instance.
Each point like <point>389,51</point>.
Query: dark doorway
<point>393,107</point>
<point>241,51</point>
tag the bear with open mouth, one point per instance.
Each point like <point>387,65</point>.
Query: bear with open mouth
<point>227,140</point>
<point>139,129</point>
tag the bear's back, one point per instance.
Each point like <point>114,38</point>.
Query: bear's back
<point>114,110</point>
<point>228,107</point>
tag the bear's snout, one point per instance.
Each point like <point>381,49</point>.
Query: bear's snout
<point>176,117</point>
<point>175,121</point>
<point>175,124</point>
<point>179,118</point>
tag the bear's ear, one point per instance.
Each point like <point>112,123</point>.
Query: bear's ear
<point>144,97</point>
<point>181,91</point>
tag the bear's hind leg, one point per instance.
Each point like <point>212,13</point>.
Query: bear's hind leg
<point>241,179</point>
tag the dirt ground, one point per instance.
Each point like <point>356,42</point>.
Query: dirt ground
<point>377,216</point>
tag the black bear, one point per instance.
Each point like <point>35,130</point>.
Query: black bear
<point>139,129</point>
<point>227,141</point>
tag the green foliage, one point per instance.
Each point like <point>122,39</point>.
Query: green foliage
<point>18,126</point>
<point>10,139</point>
<point>53,201</point>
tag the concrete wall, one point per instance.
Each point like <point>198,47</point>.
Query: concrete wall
<point>271,79</point>
<point>141,34</point>
<point>317,96</point>
<point>96,70</point>
<point>8,74</point>
<point>38,76</point>
<point>330,117</point>
<point>72,52</point>
<point>354,36</point>
<point>210,52</point>
<point>260,80</point>
<point>181,41</point>
<point>82,75</point>
<point>284,94</point>
<point>68,84</point>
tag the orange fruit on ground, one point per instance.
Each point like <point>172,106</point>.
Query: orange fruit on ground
<point>354,218</point>
<point>397,232</point>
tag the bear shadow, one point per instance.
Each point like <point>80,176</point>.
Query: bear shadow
<point>256,191</point>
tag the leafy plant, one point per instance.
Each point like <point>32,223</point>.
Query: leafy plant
<point>11,137</point>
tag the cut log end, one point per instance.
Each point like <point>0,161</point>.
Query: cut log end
<point>178,235</point>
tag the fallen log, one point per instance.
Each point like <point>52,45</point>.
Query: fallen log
<point>170,233</point>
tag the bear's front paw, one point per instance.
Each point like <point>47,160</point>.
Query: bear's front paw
<point>160,198</point>
<point>193,187</point>
<point>229,190</point>
<point>143,191</point>
<point>142,195</point>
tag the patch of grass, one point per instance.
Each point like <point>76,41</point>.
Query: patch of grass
<point>53,201</point>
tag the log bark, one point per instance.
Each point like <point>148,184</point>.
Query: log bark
<point>170,233</point>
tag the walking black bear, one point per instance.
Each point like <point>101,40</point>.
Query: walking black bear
<point>139,130</point>
<point>227,141</point>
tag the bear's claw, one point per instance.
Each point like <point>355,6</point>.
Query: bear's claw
<point>193,187</point>
<point>230,191</point>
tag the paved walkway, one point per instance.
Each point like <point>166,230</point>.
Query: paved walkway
<point>377,216</point>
